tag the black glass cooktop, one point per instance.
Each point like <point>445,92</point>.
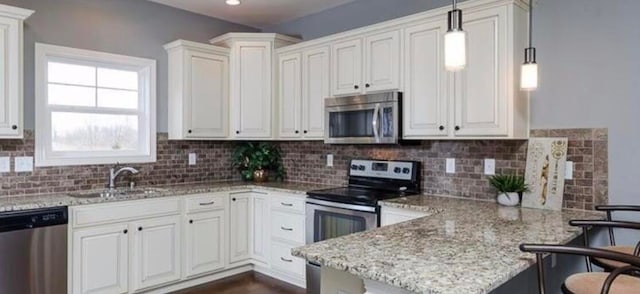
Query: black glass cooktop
<point>356,196</point>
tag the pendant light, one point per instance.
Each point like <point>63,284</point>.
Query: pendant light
<point>529,73</point>
<point>455,41</point>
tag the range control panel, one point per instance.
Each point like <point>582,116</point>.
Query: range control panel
<point>399,170</point>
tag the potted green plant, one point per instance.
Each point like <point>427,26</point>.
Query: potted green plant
<point>255,159</point>
<point>510,188</point>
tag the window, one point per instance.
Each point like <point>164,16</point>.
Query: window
<point>93,107</point>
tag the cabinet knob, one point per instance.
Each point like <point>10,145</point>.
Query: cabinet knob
<point>234,199</point>
<point>238,132</point>
<point>305,131</point>
<point>189,131</point>
<point>441,128</point>
<point>356,87</point>
<point>139,228</point>
<point>457,128</point>
<point>190,221</point>
<point>14,127</point>
<point>297,132</point>
<point>367,85</point>
<point>125,231</point>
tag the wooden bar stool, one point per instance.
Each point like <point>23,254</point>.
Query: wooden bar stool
<point>619,281</point>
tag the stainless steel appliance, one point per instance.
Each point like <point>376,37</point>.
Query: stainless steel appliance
<point>341,211</point>
<point>365,119</point>
<point>33,251</point>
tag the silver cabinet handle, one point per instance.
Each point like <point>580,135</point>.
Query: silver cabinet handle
<point>286,229</point>
<point>207,203</point>
<point>286,204</point>
<point>286,260</point>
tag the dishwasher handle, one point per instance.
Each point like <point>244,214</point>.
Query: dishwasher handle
<point>31,219</point>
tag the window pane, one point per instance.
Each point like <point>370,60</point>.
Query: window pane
<point>65,73</point>
<point>94,132</point>
<point>118,98</point>
<point>119,79</point>
<point>71,95</point>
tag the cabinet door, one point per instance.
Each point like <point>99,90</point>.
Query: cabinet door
<point>205,242</point>
<point>239,227</point>
<point>251,85</point>
<point>347,68</point>
<point>290,92</point>
<point>315,88</point>
<point>206,105</point>
<point>156,252</point>
<point>100,259</point>
<point>260,227</point>
<point>382,62</point>
<point>481,90</point>
<point>425,89</point>
<point>10,78</point>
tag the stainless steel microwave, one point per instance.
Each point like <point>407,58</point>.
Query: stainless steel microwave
<point>364,119</point>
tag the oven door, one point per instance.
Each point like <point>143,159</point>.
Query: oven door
<point>368,123</point>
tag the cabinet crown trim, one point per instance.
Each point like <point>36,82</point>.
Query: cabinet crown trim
<point>195,45</point>
<point>15,12</point>
<point>228,38</point>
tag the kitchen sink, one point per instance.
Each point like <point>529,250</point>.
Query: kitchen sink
<point>126,192</point>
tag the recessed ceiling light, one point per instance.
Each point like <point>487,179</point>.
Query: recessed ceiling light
<point>233,2</point>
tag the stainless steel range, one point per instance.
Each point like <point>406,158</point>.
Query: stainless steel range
<point>336,212</point>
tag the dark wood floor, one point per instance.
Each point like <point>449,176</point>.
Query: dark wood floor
<point>246,283</point>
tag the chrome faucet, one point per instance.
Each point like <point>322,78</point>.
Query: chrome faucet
<point>113,174</point>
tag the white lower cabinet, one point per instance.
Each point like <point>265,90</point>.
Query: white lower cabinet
<point>205,242</point>
<point>240,225</point>
<point>100,260</point>
<point>260,227</point>
<point>287,232</point>
<point>156,252</point>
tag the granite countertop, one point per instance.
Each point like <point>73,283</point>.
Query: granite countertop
<point>64,199</point>
<point>468,247</point>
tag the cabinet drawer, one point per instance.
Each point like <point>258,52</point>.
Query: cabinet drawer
<point>123,211</point>
<point>287,226</point>
<point>288,203</point>
<point>205,202</point>
<point>282,260</point>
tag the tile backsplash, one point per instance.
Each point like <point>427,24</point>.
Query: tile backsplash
<point>306,162</point>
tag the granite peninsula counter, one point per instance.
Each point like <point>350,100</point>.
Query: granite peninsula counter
<point>463,246</point>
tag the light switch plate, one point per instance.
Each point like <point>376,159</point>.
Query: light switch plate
<point>451,165</point>
<point>24,164</point>
<point>568,170</point>
<point>330,160</point>
<point>5,164</point>
<point>192,158</point>
<point>490,166</point>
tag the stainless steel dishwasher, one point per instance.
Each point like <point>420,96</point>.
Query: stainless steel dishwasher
<point>33,251</point>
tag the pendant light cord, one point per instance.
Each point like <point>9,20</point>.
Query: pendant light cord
<point>455,4</point>
<point>530,23</point>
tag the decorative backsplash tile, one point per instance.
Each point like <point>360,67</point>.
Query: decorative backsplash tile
<point>306,162</point>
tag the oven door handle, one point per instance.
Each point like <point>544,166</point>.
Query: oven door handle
<point>341,205</point>
<point>374,122</point>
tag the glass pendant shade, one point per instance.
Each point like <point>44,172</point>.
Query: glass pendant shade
<point>455,50</point>
<point>529,76</point>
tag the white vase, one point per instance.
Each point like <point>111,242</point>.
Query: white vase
<point>509,199</point>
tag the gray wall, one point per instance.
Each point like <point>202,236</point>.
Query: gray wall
<point>589,74</point>
<point>130,27</point>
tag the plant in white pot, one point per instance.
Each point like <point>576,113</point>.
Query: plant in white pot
<point>510,188</point>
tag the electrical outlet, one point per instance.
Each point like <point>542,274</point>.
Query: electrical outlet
<point>24,164</point>
<point>330,160</point>
<point>490,167</point>
<point>192,158</point>
<point>568,170</point>
<point>451,165</point>
<point>5,164</point>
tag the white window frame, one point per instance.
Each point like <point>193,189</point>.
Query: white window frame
<point>45,156</point>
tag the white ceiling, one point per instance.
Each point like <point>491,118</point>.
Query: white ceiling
<point>256,13</point>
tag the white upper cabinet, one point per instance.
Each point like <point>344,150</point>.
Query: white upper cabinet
<point>11,72</point>
<point>198,91</point>
<point>290,102</point>
<point>315,88</point>
<point>481,105</point>
<point>346,67</point>
<point>253,82</point>
<point>382,62</point>
<point>304,84</point>
<point>425,86</point>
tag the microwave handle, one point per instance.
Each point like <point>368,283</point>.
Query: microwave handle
<point>374,122</point>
